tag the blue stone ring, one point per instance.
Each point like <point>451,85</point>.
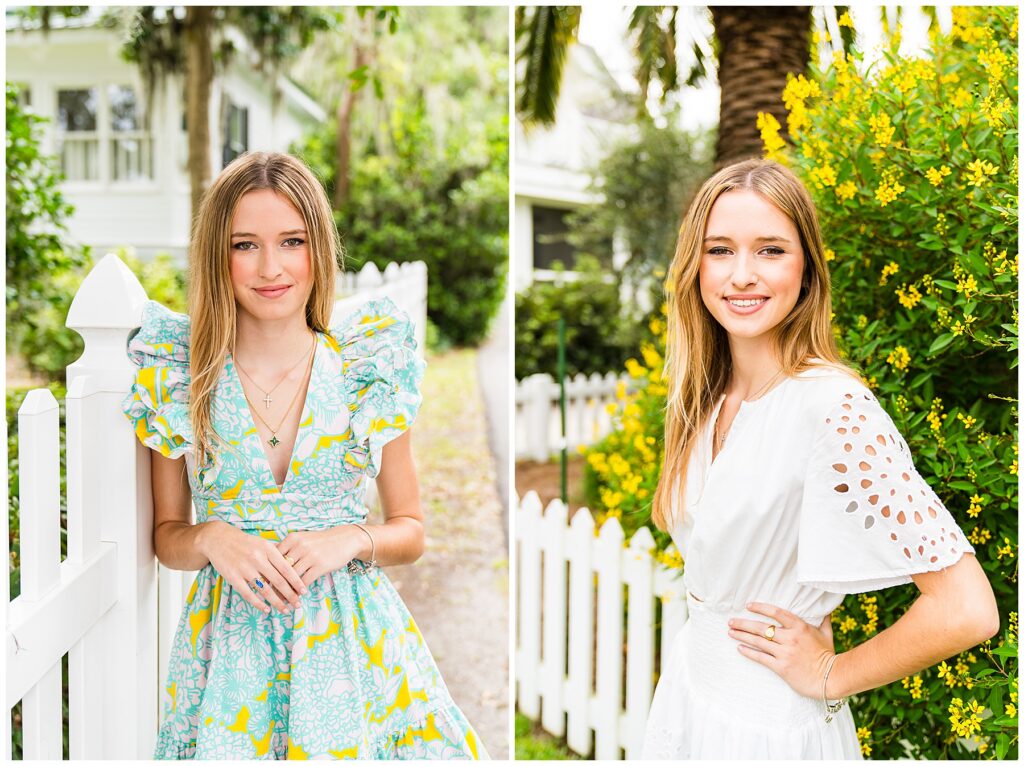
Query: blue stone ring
<point>259,583</point>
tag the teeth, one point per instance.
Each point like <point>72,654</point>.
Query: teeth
<point>748,302</point>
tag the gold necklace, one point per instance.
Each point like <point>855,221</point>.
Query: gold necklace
<point>266,398</point>
<point>274,441</point>
<point>719,436</point>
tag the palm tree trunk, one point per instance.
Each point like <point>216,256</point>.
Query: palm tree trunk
<point>343,180</point>
<point>198,83</point>
<point>759,47</point>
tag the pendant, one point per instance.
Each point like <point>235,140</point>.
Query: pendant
<point>274,441</point>
<point>267,400</point>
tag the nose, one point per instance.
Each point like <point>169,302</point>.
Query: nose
<point>269,263</point>
<point>743,270</point>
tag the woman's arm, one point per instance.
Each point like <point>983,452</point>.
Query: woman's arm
<point>400,539</point>
<point>955,611</point>
<point>175,537</point>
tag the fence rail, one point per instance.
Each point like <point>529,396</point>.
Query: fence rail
<point>108,605</point>
<point>581,648</point>
<point>538,421</point>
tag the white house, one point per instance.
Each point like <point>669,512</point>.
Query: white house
<point>553,165</point>
<point>127,175</point>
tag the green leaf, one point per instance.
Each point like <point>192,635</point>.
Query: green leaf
<point>938,344</point>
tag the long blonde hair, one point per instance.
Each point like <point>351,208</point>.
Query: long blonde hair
<point>698,363</point>
<point>211,300</point>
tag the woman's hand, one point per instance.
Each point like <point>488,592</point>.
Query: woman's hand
<point>240,558</point>
<point>316,552</point>
<point>798,652</point>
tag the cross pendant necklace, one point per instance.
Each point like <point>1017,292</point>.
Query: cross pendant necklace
<point>267,400</point>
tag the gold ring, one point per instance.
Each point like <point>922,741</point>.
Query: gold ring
<point>769,633</point>
<point>290,560</point>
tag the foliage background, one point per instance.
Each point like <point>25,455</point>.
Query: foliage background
<point>913,168</point>
<point>430,179</point>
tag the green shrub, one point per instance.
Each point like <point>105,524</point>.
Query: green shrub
<point>913,169</point>
<point>598,332</point>
<point>445,206</point>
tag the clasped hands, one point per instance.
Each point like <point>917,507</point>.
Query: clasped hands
<point>798,652</point>
<point>241,558</point>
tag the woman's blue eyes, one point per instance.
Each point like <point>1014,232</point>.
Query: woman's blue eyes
<point>298,242</point>
<point>774,251</point>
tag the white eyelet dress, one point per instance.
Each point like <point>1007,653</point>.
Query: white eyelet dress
<point>813,496</point>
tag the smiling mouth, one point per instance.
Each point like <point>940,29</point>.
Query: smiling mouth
<point>746,302</point>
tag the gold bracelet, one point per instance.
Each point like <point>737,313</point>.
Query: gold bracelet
<point>352,567</point>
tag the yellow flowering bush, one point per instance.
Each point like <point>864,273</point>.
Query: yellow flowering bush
<point>913,168</point>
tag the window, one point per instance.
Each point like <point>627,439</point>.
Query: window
<point>78,141</point>
<point>131,148</point>
<point>236,132</point>
<point>102,136</point>
<point>550,228</point>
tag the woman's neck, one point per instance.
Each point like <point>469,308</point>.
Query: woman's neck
<point>753,365</point>
<point>270,345</point>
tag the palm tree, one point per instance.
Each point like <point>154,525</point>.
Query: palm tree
<point>757,47</point>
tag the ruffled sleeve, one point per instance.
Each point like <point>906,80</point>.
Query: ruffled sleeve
<point>868,519</point>
<point>157,403</point>
<point>382,373</point>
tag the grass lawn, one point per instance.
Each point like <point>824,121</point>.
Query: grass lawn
<point>534,744</point>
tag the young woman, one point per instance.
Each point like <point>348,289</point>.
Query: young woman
<point>269,420</point>
<point>785,486</point>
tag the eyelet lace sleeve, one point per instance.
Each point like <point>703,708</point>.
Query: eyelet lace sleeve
<point>157,402</point>
<point>868,518</point>
<point>382,373</point>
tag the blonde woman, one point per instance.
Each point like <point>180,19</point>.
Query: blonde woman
<point>785,486</point>
<point>269,419</point>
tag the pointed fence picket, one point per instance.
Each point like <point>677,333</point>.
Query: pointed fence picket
<point>109,606</point>
<point>587,630</point>
<point>538,422</point>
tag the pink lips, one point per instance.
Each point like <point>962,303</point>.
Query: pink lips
<point>273,292</point>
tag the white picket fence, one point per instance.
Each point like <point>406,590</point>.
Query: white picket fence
<point>108,605</point>
<point>538,421</point>
<point>578,640</point>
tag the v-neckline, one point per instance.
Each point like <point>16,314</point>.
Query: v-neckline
<point>252,432</point>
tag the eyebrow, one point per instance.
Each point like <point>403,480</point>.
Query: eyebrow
<point>771,238</point>
<point>250,234</point>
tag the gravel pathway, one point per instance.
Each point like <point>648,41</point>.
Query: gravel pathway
<point>458,591</point>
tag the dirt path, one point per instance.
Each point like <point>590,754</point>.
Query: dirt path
<point>458,591</point>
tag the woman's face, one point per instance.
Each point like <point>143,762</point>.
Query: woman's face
<point>270,268</point>
<point>752,264</point>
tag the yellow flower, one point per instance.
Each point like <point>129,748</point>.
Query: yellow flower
<point>909,297</point>
<point>770,127</point>
<point>1011,710</point>
<point>935,175</point>
<point>845,20</point>
<point>888,270</point>
<point>829,253</point>
<point>962,98</point>
<point>634,369</point>
<point>846,190</point>
<point>1006,549</point>
<point>899,358</point>
<point>888,191</point>
<point>882,128</point>
<point>978,170</point>
<point>979,536</point>
<point>913,685</point>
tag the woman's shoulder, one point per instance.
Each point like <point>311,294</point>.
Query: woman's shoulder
<point>162,336</point>
<point>824,386</point>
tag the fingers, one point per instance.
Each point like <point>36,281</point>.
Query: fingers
<point>758,642</point>
<point>270,592</point>
<point>780,615</point>
<point>245,590</point>
<point>751,626</point>
<point>289,574</point>
<point>765,659</point>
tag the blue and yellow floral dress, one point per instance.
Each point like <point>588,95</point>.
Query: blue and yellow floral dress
<point>347,674</point>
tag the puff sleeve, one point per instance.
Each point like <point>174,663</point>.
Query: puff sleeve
<point>382,373</point>
<point>868,520</point>
<point>157,403</point>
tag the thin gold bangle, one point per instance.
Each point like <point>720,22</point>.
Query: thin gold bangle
<point>373,548</point>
